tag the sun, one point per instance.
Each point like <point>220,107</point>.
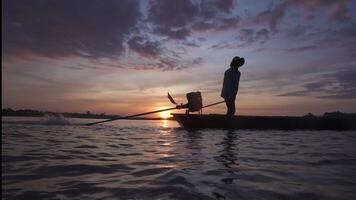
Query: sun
<point>165,114</point>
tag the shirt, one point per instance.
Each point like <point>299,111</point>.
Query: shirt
<point>231,84</point>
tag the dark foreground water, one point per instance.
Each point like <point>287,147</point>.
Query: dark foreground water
<point>158,160</point>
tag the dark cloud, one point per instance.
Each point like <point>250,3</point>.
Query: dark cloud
<point>271,17</point>
<point>173,14</point>
<point>145,47</point>
<point>221,45</point>
<point>246,37</point>
<point>197,61</point>
<point>161,63</point>
<point>316,86</point>
<point>294,93</point>
<point>61,28</point>
<point>173,33</point>
<point>249,36</point>
<point>343,38</point>
<point>262,35</point>
<point>191,43</point>
<point>340,85</point>
<point>296,31</point>
<point>201,39</point>
<point>218,24</point>
<point>302,48</point>
<point>169,63</point>
<point>346,94</point>
<point>171,17</point>
<point>98,30</point>
<point>177,19</point>
<point>336,11</point>
<point>225,5</point>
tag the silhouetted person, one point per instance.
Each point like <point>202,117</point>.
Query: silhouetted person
<point>231,84</point>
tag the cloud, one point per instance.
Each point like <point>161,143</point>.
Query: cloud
<point>245,38</point>
<point>343,38</point>
<point>177,19</point>
<point>296,31</point>
<point>63,28</point>
<point>336,85</point>
<point>225,5</point>
<point>105,33</point>
<point>301,48</point>
<point>145,47</point>
<point>249,36</point>
<point>262,35</point>
<point>160,63</point>
<point>173,33</point>
<point>294,93</point>
<point>221,45</point>
<point>190,43</point>
<point>345,35</point>
<point>218,24</point>
<point>336,11</point>
<point>169,63</point>
<point>171,17</point>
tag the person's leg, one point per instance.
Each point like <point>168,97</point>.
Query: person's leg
<point>227,106</point>
<point>230,104</point>
<point>233,109</point>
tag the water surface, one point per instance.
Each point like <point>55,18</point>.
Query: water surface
<point>158,160</point>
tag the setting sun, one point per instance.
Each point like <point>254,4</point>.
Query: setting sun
<point>165,114</point>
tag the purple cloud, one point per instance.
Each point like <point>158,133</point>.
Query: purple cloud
<point>97,30</point>
<point>336,11</point>
<point>171,17</point>
<point>145,47</point>
<point>262,35</point>
<point>63,28</point>
<point>302,48</point>
<point>249,36</point>
<point>177,19</point>
<point>337,85</point>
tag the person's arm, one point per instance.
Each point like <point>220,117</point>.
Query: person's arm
<point>237,83</point>
<point>223,89</point>
<point>227,87</point>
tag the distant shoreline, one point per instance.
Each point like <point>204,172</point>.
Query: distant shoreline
<point>8,112</point>
<point>141,118</point>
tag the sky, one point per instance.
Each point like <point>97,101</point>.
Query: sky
<point>122,57</point>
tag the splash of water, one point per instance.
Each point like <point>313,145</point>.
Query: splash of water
<point>55,119</point>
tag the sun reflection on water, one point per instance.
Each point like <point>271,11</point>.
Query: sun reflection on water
<point>165,114</point>
<point>165,123</point>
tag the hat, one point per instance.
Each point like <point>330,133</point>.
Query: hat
<point>237,61</point>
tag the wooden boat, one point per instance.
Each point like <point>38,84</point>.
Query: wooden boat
<point>215,121</point>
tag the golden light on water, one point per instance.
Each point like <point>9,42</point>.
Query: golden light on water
<point>165,114</point>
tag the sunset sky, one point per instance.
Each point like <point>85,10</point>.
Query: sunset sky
<point>122,57</point>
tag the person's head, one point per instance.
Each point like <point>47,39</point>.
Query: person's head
<point>237,62</point>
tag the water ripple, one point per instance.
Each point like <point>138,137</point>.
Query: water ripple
<point>148,160</point>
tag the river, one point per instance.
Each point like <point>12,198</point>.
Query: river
<point>138,159</point>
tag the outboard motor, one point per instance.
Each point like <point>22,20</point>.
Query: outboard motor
<point>195,102</point>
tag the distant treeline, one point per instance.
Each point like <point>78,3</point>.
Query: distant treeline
<point>336,114</point>
<point>88,114</point>
<point>36,113</point>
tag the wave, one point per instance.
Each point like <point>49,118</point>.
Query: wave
<point>47,120</point>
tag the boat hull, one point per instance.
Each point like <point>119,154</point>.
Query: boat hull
<point>214,121</point>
